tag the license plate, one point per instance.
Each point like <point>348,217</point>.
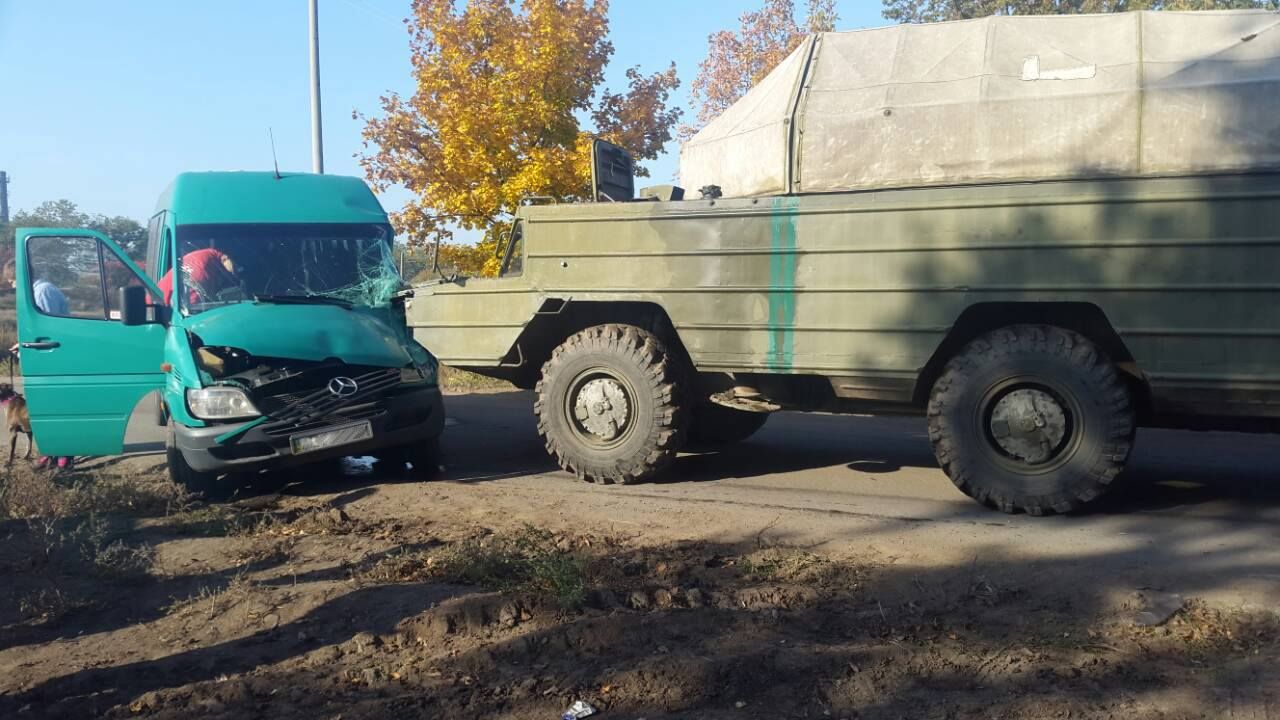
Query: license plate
<point>330,437</point>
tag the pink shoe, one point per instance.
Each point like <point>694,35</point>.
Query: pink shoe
<point>42,461</point>
<point>65,462</point>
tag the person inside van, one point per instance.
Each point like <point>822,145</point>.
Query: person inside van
<point>50,301</point>
<point>205,272</point>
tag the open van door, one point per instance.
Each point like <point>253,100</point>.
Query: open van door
<point>83,369</point>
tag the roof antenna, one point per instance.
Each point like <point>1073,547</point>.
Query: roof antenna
<point>274,162</point>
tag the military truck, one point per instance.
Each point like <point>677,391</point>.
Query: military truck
<point>1052,231</point>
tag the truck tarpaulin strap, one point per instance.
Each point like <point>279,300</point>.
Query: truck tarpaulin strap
<point>1004,99</point>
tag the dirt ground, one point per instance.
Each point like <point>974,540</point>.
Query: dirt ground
<point>502,589</point>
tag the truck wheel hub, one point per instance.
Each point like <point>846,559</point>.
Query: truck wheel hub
<point>1029,424</point>
<point>601,408</point>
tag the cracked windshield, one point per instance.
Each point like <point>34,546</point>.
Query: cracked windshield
<point>342,264</point>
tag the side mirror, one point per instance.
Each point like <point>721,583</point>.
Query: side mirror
<point>613,173</point>
<point>133,305</point>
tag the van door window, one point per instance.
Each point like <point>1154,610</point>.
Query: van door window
<point>117,275</point>
<point>66,277</point>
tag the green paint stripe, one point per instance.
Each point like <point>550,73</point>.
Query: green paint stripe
<point>782,283</point>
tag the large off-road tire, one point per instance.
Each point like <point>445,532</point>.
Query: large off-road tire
<point>609,405</point>
<point>715,425</point>
<point>1031,418</point>
<point>204,484</point>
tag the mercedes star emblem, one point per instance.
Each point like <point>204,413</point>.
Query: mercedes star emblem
<point>343,387</point>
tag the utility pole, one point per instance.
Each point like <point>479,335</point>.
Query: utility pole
<point>317,141</point>
<point>4,198</point>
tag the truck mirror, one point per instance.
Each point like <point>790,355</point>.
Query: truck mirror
<point>133,305</point>
<point>613,173</point>
<point>499,247</point>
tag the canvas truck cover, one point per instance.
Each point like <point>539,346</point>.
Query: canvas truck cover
<point>1003,99</point>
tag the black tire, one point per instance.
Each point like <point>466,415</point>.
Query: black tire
<point>626,385</point>
<point>424,456</point>
<point>1031,418</point>
<point>716,425</point>
<point>204,484</point>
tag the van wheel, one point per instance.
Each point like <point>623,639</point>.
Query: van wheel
<point>608,405</point>
<point>204,484</point>
<point>716,425</point>
<point>424,456</point>
<point>1031,418</point>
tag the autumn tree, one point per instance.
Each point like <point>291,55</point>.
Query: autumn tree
<point>126,232</point>
<point>738,60</point>
<point>502,93</point>
<point>921,11</point>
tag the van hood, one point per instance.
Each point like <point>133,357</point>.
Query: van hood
<point>359,336</point>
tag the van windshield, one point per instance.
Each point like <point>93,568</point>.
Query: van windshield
<point>346,264</point>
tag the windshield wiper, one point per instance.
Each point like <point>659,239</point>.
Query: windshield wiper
<point>303,300</point>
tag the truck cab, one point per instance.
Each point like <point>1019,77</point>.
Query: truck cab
<point>269,319</point>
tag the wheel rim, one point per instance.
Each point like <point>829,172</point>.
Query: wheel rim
<point>600,406</point>
<point>1031,426</point>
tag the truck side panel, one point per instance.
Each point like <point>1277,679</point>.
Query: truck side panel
<point>478,319</point>
<point>864,286</point>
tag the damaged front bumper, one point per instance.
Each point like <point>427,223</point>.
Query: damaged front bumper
<point>409,417</point>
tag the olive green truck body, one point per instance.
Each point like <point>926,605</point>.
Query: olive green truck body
<point>872,291</point>
<point>1041,232</point>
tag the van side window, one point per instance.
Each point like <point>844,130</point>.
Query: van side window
<point>67,278</point>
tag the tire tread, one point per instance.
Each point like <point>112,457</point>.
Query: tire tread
<point>1017,340</point>
<point>665,436</point>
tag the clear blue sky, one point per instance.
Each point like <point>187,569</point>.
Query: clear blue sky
<point>102,103</point>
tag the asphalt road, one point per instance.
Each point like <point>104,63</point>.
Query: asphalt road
<point>1199,513</point>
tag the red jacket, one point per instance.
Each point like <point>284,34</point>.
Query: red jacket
<point>204,269</point>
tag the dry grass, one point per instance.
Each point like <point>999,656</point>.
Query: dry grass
<point>1206,630</point>
<point>528,561</point>
<point>211,601</point>
<point>70,561</point>
<point>31,494</point>
<point>453,380</point>
<point>49,605</point>
<point>89,542</point>
<point>76,538</point>
<point>783,564</point>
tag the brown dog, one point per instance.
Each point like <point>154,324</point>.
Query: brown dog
<point>15,418</point>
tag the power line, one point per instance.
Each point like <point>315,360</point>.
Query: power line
<point>373,12</point>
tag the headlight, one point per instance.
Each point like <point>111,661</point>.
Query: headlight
<point>411,375</point>
<point>220,402</point>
